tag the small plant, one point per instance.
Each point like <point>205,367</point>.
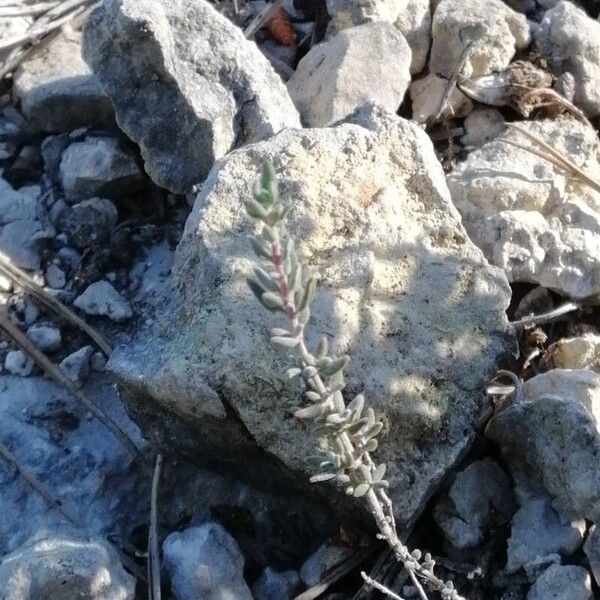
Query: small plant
<point>346,433</point>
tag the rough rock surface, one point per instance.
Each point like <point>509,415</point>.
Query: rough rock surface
<point>97,166</point>
<point>205,562</point>
<point>101,298</point>
<point>189,88</point>
<point>481,126</point>
<point>276,585</point>
<point>367,64</point>
<point>562,583</point>
<point>570,40</point>
<point>496,30</point>
<point>65,567</point>
<point>411,17</point>
<point>328,556</point>
<point>527,215</point>
<point>537,531</point>
<point>592,551</point>
<point>553,438</point>
<point>87,223</point>
<point>401,289</point>
<point>58,91</point>
<point>480,497</point>
<point>582,352</point>
<point>73,454</point>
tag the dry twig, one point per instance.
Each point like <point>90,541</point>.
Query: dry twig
<point>153,567</point>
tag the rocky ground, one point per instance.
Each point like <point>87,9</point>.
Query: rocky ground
<point>442,161</point>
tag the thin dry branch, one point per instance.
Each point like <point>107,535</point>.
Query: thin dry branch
<point>23,342</point>
<point>21,279</point>
<point>380,587</point>
<point>153,567</point>
<point>547,317</point>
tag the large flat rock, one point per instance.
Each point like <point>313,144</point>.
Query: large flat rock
<point>401,289</point>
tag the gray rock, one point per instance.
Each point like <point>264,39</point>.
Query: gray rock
<point>552,438</point>
<point>276,585</point>
<point>52,148</point>
<point>480,497</point>
<point>570,40</point>
<point>498,30</point>
<point>398,278</point>
<point>98,362</point>
<point>412,18</point>
<point>65,567</point>
<point>88,223</point>
<point>74,455</point>
<point>98,166</point>
<point>58,91</point>
<point>101,298</point>
<point>328,556</point>
<point>368,64</point>
<point>205,562</point>
<point>527,215</point>
<point>562,583</point>
<point>76,366</point>
<point>592,551</point>
<point>18,363</point>
<point>581,352</point>
<point>190,87</point>
<point>481,126</point>
<point>55,277</point>
<point>426,94</point>
<point>537,531</point>
<point>45,336</point>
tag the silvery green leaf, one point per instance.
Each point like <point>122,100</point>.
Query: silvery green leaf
<point>256,210</point>
<point>307,294</point>
<point>272,301</point>
<point>309,412</point>
<point>304,316</point>
<point>335,419</point>
<point>293,372</point>
<point>256,288</point>
<point>286,342</point>
<point>382,483</point>
<point>262,277</point>
<point>279,331</point>
<point>260,249</point>
<point>356,406</point>
<point>313,396</point>
<point>379,472</point>
<point>370,417</point>
<point>321,350</point>
<point>349,490</point>
<point>365,472</point>
<point>310,371</point>
<point>295,278</point>
<point>263,197</point>
<point>356,427</point>
<point>289,248</point>
<point>267,174</point>
<point>342,478</point>
<point>322,477</point>
<point>373,431</point>
<point>372,445</point>
<point>361,489</point>
<point>336,365</point>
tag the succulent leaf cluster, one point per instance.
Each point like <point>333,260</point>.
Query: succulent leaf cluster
<point>346,434</point>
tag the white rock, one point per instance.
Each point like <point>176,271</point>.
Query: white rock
<point>552,439</point>
<point>367,64</point>
<point>402,290</point>
<point>276,585</point>
<point>69,568</point>
<point>101,298</point>
<point>582,352</point>
<point>76,366</point>
<point>18,363</point>
<point>205,562</point>
<point>527,215</point>
<point>189,88</point>
<point>45,336</point>
<point>498,29</point>
<point>328,556</point>
<point>570,40</point>
<point>562,583</point>
<point>481,126</point>
<point>592,551</point>
<point>480,498</point>
<point>537,532</point>
<point>426,94</point>
<point>98,166</point>
<point>55,277</point>
<point>411,17</point>
<point>58,91</point>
